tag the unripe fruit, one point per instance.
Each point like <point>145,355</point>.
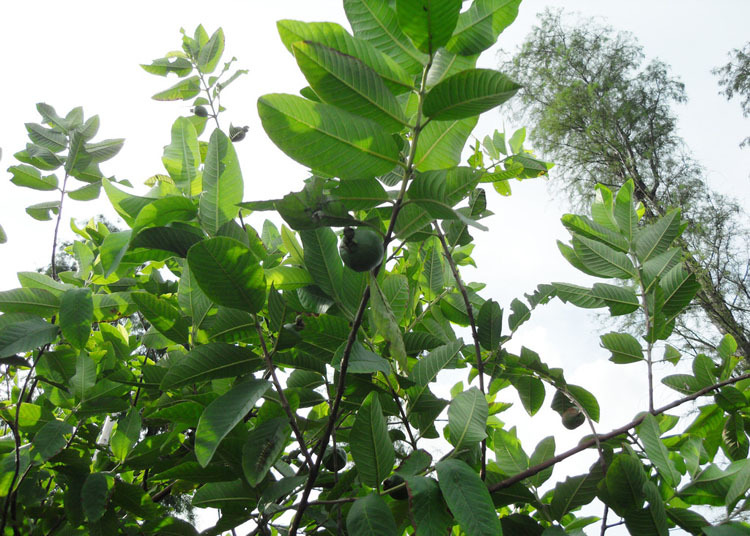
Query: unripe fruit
<point>392,481</point>
<point>200,111</point>
<point>334,460</point>
<point>361,249</point>
<point>572,418</point>
<point>237,133</point>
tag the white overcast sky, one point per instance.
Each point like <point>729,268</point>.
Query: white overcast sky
<point>88,53</point>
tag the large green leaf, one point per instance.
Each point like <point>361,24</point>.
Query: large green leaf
<point>163,66</point>
<point>530,391</point>
<point>163,211</point>
<point>511,458</point>
<point>182,90</point>
<point>428,23</point>
<point>490,325</point>
<point>603,260</point>
<point>680,286</point>
<point>585,399</point>
<point>223,414</point>
<point>372,449</point>
<point>322,260</point>
<point>370,516</point>
<point>191,299</point>
<point>479,26</point>
<point>624,347</point>
<point>263,446</point>
<point>224,495</point>
<point>348,83</point>
<point>335,36</point>
<point>544,451</point>
<point>113,249</point>
<point>35,301</point>
<point>210,53</point>
<point>441,143</point>
<point>428,509</point>
<point>624,210</point>
<point>584,226</point>
<point>208,362</point>
<point>655,238</point>
<point>386,323</point>
<point>163,316</point>
<point>468,498</point>
<point>182,157</point>
<point>95,494</point>
<point>655,268</point>
<point>573,492</point>
<point>25,334</point>
<point>649,434</point>
<point>577,295</point>
<point>326,138</point>
<point>30,177</point>
<point>51,139</point>
<point>222,184</point>
<point>228,273</point>
<point>177,240</point>
<point>620,300</point>
<point>467,418</point>
<point>76,315</point>
<point>50,439</point>
<point>468,93</point>
<point>376,22</point>
<point>624,481</point>
<point>126,435</point>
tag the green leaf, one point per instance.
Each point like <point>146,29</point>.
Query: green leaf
<point>467,418</point>
<point>649,433</point>
<point>687,520</point>
<point>210,53</point>
<point>468,93</point>
<point>76,316</point>
<point>680,286</point>
<point>86,193</point>
<point>222,184</point>
<point>85,377</point>
<point>51,139</point>
<point>520,314</point>
<point>29,177</point>
<point>625,214</point>
<point>182,156</point>
<point>603,260</point>
<point>432,278</point>
<point>479,26</point>
<point>223,414</point>
<point>468,498</point>
<point>530,391</point>
<point>182,90</point>
<point>326,138</point>
<point>428,23</point>
<point>322,260</point>
<point>43,211</point>
<point>163,316</point>
<point>361,360</point>
<point>262,448</point>
<point>126,435</point>
<point>3,236</point>
<point>95,494</point>
<point>544,451</point>
<point>446,64</point>
<point>490,325</point>
<point>620,300</point>
<point>191,299</point>
<point>224,495</point>
<point>25,335</point>
<point>163,66</point>
<point>360,194</point>
<point>734,438</point>
<point>371,447</point>
<point>348,83</point>
<point>210,361</point>
<point>385,322</point>
<point>228,273</point>
<point>428,367</point>
<point>50,439</point>
<point>171,239</point>
<point>511,458</point>
<point>624,483</point>
<point>581,225</point>
<point>655,238</point>
<point>585,399</point>
<point>163,211</point>
<point>573,492</point>
<point>427,506</point>
<point>649,521</point>
<point>335,36</point>
<point>376,22</point>
<point>738,488</point>
<point>370,516</point>
<point>35,301</point>
<point>441,143</point>
<point>624,347</point>
<point>579,296</point>
<point>113,249</point>
<point>655,268</point>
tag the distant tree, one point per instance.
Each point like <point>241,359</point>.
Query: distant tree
<point>735,80</point>
<point>603,116</point>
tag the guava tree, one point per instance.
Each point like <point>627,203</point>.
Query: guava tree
<point>288,377</point>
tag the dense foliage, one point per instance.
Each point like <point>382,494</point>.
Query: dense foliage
<point>255,372</point>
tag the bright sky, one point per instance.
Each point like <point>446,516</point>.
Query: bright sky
<point>71,54</point>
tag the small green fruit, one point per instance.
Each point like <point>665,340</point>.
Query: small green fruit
<point>334,460</point>
<point>361,249</point>
<point>200,111</point>
<point>572,418</point>
<point>237,133</point>
<point>392,481</point>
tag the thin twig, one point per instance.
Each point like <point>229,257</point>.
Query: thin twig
<point>472,322</point>
<point>531,471</point>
